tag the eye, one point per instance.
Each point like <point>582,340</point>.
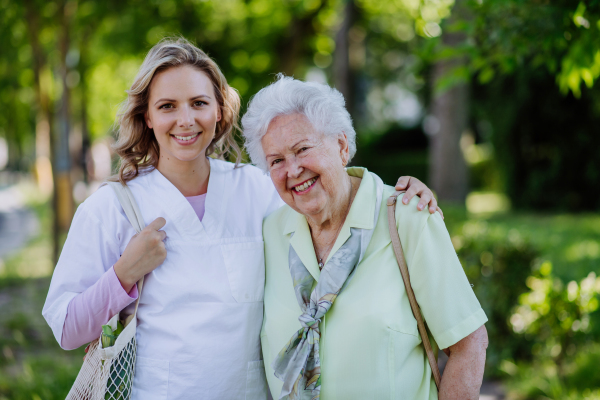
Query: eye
<point>200,103</point>
<point>166,106</point>
<point>302,149</point>
<point>275,161</point>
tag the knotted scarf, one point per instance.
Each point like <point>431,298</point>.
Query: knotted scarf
<point>298,364</point>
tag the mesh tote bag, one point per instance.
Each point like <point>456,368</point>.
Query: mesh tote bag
<point>107,374</point>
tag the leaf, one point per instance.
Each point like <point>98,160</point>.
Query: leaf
<point>486,75</point>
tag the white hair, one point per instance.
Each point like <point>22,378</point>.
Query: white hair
<point>323,106</point>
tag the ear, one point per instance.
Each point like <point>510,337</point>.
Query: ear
<point>218,114</point>
<point>148,121</point>
<point>344,148</point>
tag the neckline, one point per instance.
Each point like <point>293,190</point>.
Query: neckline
<point>180,209</point>
<point>197,196</point>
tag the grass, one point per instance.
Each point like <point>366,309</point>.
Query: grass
<point>571,242</point>
<point>32,365</point>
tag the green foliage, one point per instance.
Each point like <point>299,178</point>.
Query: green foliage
<point>545,144</point>
<point>582,61</point>
<point>398,149</point>
<point>47,377</point>
<point>582,370</point>
<point>557,319</point>
<point>500,254</point>
<point>555,316</point>
<point>403,19</point>
<point>539,380</point>
<point>32,365</point>
<point>532,66</point>
<point>107,81</point>
<point>570,242</point>
<point>507,35</point>
<point>16,80</point>
<point>498,268</point>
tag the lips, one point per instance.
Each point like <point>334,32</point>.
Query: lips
<point>305,186</point>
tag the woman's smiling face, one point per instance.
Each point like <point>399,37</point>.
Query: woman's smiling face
<point>183,112</point>
<point>306,166</point>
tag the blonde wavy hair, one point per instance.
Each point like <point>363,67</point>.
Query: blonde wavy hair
<point>136,144</point>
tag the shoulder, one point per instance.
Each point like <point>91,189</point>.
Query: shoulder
<point>242,171</point>
<point>409,219</point>
<point>413,225</point>
<point>102,209</point>
<point>239,169</point>
<point>274,224</point>
<point>103,201</point>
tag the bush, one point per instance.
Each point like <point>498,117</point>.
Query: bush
<point>556,317</point>
<point>46,377</point>
<point>558,320</point>
<point>498,268</point>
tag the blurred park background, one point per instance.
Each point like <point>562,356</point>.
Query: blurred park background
<point>493,103</point>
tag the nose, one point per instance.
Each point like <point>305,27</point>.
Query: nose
<point>294,169</point>
<point>185,119</point>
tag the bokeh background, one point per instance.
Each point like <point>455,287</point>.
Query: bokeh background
<point>493,103</point>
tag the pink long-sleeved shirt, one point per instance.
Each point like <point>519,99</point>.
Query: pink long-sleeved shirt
<point>91,309</point>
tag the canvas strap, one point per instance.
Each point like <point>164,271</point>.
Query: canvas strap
<point>391,203</point>
<point>134,215</point>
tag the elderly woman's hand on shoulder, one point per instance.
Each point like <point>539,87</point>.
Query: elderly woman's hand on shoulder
<point>414,187</point>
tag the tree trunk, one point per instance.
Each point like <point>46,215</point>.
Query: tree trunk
<point>63,193</point>
<point>294,47</point>
<point>85,158</point>
<point>343,76</point>
<point>448,174</point>
<point>44,120</point>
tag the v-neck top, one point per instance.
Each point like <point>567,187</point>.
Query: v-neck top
<point>200,311</point>
<point>197,203</point>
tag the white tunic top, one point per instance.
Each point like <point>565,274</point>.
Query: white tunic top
<point>201,311</point>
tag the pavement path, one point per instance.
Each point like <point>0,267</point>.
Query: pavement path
<point>18,224</point>
<point>492,391</point>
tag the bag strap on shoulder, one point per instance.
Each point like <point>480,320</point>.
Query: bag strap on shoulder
<point>391,203</point>
<point>134,215</point>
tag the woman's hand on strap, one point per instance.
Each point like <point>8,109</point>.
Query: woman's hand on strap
<point>143,254</point>
<point>463,373</point>
<point>413,187</point>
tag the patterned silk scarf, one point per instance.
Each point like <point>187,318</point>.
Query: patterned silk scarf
<point>298,364</point>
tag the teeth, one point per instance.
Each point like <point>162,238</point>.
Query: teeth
<point>305,185</point>
<point>186,138</point>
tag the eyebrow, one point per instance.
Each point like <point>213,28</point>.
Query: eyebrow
<point>193,98</point>
<point>298,142</point>
<point>294,146</point>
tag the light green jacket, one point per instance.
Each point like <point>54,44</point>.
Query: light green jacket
<point>370,345</point>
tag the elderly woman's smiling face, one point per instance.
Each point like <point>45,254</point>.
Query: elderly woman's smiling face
<point>306,166</point>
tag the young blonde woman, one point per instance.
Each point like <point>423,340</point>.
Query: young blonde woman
<point>200,315</point>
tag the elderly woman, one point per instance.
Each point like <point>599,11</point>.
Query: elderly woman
<point>332,281</point>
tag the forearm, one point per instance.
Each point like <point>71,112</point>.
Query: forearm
<point>88,311</point>
<point>464,370</point>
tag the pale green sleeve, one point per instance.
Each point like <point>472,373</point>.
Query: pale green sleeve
<point>446,298</point>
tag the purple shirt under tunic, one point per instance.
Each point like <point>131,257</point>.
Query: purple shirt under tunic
<point>88,311</point>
